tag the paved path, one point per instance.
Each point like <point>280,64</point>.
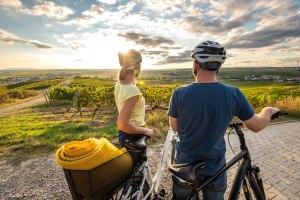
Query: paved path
<point>276,150</point>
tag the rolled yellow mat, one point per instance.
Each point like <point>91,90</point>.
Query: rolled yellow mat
<point>87,154</point>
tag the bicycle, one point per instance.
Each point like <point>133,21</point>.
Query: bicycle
<point>247,176</point>
<point>139,184</point>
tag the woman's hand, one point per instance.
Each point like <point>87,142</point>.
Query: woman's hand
<point>149,132</point>
<point>147,108</point>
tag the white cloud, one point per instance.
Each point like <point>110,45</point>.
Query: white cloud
<point>108,1</point>
<point>91,16</point>
<point>128,7</point>
<point>50,10</point>
<point>9,38</point>
<point>47,8</point>
<point>11,3</point>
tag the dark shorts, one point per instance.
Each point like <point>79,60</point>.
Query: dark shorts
<point>213,191</point>
<point>123,136</point>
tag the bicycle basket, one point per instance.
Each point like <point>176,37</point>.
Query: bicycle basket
<point>100,181</point>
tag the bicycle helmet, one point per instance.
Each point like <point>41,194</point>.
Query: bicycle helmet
<point>130,58</point>
<point>209,51</point>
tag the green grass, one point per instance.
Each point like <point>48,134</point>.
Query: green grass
<point>12,102</point>
<point>40,130</point>
<point>36,131</point>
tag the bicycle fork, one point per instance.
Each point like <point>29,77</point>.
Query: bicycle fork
<point>259,180</point>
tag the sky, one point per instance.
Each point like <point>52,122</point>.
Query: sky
<point>88,34</point>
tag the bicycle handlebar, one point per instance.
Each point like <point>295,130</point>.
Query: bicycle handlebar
<point>274,116</point>
<point>158,107</point>
<point>279,113</point>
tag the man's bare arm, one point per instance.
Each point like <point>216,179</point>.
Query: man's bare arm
<point>173,123</point>
<point>259,121</point>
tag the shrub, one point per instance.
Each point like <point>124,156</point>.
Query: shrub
<point>21,94</point>
<point>3,89</point>
<point>4,98</point>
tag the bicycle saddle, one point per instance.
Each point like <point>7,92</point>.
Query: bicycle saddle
<point>187,171</point>
<point>139,143</point>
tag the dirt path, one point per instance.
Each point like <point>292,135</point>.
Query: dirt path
<point>8,110</point>
<point>276,150</point>
<point>16,107</point>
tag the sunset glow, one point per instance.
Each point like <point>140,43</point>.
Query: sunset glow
<point>88,34</point>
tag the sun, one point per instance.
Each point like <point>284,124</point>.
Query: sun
<point>99,52</point>
<point>102,52</point>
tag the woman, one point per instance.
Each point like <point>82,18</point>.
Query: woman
<point>129,99</point>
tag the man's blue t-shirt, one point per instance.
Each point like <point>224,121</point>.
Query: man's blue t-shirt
<point>203,112</point>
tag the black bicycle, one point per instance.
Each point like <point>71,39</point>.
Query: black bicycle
<point>247,176</point>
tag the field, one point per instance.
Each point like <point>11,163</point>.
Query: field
<point>41,129</point>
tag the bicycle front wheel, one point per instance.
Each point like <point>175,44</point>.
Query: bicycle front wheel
<point>251,188</point>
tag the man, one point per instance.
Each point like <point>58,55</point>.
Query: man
<point>201,112</point>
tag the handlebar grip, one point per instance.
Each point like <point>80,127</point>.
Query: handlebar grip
<point>279,113</point>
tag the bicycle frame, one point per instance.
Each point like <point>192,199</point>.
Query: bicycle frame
<point>163,161</point>
<point>245,166</point>
<point>154,182</point>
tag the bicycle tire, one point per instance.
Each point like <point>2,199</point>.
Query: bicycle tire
<point>254,187</point>
<point>134,183</point>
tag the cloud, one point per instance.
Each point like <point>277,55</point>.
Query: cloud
<point>108,1</point>
<point>9,38</point>
<point>11,3</point>
<point>279,30</point>
<point>49,9</point>
<point>87,17</point>
<point>181,57</point>
<point>142,39</point>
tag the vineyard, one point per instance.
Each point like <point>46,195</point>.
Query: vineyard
<point>16,92</point>
<point>43,128</point>
<point>96,93</point>
<point>89,94</point>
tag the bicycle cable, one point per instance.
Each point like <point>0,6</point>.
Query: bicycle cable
<point>229,141</point>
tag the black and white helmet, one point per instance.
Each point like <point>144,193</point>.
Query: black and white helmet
<point>209,51</point>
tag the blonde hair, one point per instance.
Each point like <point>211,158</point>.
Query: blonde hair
<point>128,61</point>
<point>124,72</point>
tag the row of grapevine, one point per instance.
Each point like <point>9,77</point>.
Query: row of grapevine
<point>37,85</point>
<point>157,95</point>
<point>266,96</point>
<point>102,95</point>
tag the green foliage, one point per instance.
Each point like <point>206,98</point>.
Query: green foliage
<point>83,81</point>
<point>36,85</point>
<point>261,96</point>
<point>4,98</point>
<point>157,95</point>
<point>59,93</point>
<point>3,89</point>
<point>21,94</point>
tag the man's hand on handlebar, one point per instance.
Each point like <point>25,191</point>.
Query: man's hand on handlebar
<point>279,113</point>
